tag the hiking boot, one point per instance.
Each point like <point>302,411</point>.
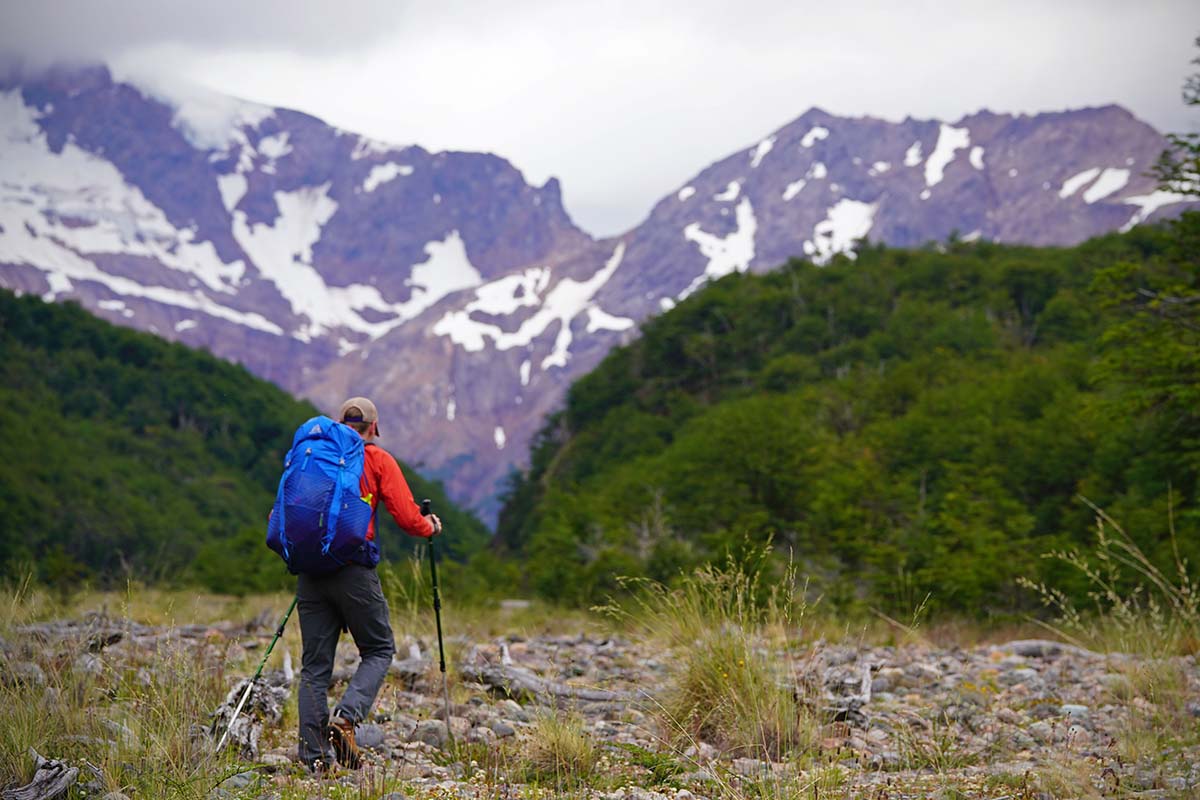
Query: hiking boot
<point>341,738</point>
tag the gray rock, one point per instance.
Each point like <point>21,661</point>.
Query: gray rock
<point>28,672</point>
<point>502,728</point>
<point>1023,675</point>
<point>89,664</point>
<point>1042,731</point>
<point>369,735</point>
<point>481,735</point>
<point>513,710</point>
<point>751,767</point>
<point>432,732</point>
<point>230,787</point>
<point>1074,711</point>
<point>115,796</point>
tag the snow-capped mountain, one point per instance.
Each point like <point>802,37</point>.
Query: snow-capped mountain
<point>462,299</point>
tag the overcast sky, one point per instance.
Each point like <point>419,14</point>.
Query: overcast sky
<point>624,101</point>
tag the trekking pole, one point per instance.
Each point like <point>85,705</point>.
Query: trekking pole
<point>257,673</point>
<point>426,510</point>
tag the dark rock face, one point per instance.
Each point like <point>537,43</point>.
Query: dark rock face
<point>458,296</point>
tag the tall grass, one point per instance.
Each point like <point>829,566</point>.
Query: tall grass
<point>731,631</point>
<point>1136,607</point>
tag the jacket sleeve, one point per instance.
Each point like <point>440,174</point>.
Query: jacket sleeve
<point>395,494</point>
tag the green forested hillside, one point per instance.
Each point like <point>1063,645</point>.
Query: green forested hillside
<point>128,456</point>
<point>912,423</point>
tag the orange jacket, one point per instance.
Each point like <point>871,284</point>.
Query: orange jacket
<point>383,480</point>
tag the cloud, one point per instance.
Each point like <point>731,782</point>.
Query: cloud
<point>44,32</point>
<point>626,101</point>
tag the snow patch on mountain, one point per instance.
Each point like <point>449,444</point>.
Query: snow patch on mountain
<point>730,194</point>
<point>685,193</point>
<point>367,147</point>
<point>282,251</point>
<point>912,156</point>
<point>847,221</point>
<point>814,135</point>
<point>794,188</point>
<point>1072,184</point>
<point>817,171</point>
<point>976,157</point>
<point>600,320</point>
<point>878,168</point>
<point>1147,204</point>
<point>566,300</point>
<point>233,188</point>
<point>950,140</point>
<point>1111,180</point>
<point>74,202</point>
<point>732,253</point>
<point>382,173</point>
<point>207,119</point>
<point>274,147</point>
<point>499,437</point>
<point>760,152</point>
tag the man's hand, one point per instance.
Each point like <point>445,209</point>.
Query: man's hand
<point>435,522</point>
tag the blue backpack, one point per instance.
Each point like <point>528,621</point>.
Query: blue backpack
<point>319,522</point>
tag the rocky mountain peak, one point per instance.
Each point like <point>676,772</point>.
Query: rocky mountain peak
<point>463,299</point>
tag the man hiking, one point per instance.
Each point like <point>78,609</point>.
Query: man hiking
<point>351,599</point>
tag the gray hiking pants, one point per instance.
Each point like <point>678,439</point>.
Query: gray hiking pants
<point>353,598</point>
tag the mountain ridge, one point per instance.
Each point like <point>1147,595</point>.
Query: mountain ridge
<point>444,283</point>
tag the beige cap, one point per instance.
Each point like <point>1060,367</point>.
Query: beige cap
<point>359,409</point>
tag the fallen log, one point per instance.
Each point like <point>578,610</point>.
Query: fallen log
<point>519,683</point>
<point>51,780</point>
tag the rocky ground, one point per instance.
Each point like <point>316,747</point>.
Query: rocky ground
<point>1027,718</point>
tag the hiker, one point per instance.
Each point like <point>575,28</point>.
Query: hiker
<point>352,599</point>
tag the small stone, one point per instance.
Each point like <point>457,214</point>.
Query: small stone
<point>1042,731</point>
<point>432,732</point>
<point>394,796</point>
<point>274,760</point>
<point>751,767</point>
<point>1008,716</point>
<point>367,734</point>
<point>28,673</point>
<point>513,710</point>
<point>502,728</point>
<point>232,786</point>
<point>481,735</point>
<point>1078,737</point>
<point>1074,711</point>
<point>459,726</point>
<point>701,752</point>
<point>89,664</point>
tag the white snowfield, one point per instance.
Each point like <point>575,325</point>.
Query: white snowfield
<point>383,173</point>
<point>730,194</point>
<point>59,209</point>
<point>814,135</point>
<point>1110,182</point>
<point>1072,184</point>
<point>56,209</point>
<point>794,188</point>
<point>912,156</point>
<point>685,193</point>
<point>760,151</point>
<point>563,303</point>
<point>732,253</point>
<point>950,141</point>
<point>847,221</point>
